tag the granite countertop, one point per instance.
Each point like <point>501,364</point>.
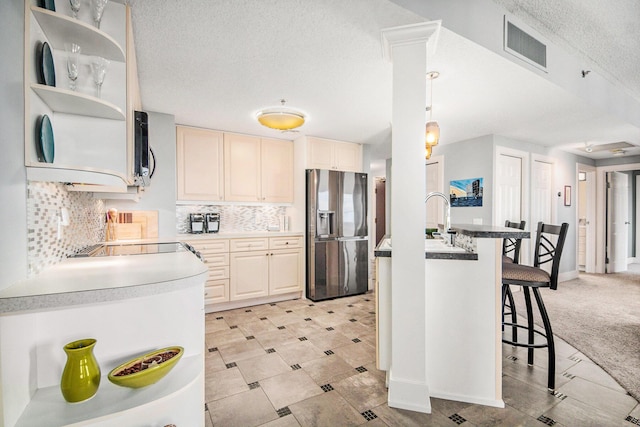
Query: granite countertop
<point>433,250</point>
<point>489,231</point>
<point>77,281</point>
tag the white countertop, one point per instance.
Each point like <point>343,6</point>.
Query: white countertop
<point>237,235</point>
<point>95,279</point>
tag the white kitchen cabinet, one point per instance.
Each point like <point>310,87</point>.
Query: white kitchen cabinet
<point>249,275</point>
<point>199,164</point>
<point>285,271</point>
<point>277,170</point>
<point>242,168</point>
<point>261,267</point>
<point>92,135</point>
<point>334,155</point>
<point>258,169</point>
<point>215,253</point>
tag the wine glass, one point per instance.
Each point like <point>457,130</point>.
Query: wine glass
<point>99,70</point>
<point>97,8</point>
<point>75,7</point>
<point>73,56</point>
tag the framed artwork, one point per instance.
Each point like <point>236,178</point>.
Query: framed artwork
<point>567,195</point>
<point>466,192</point>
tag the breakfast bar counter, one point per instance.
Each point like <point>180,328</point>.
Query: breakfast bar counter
<point>463,314</point>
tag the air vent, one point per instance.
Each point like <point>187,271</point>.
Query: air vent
<point>524,46</point>
<point>613,147</point>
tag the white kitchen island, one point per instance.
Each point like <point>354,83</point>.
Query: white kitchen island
<point>463,314</point>
<point>130,305</point>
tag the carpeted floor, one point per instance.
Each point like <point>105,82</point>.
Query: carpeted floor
<point>599,314</point>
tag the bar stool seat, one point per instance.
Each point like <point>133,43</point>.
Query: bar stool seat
<point>524,275</point>
<point>531,279</point>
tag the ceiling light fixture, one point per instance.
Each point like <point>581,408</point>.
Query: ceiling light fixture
<point>281,117</point>
<point>588,148</point>
<point>432,130</point>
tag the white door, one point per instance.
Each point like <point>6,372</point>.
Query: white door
<point>435,207</point>
<point>541,197</point>
<point>508,189</point>
<point>618,207</point>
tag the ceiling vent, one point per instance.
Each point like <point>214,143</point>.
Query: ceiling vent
<point>613,147</point>
<point>524,46</point>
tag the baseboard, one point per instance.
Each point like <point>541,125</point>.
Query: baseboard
<point>231,305</point>
<point>496,403</point>
<point>410,395</point>
<point>569,275</point>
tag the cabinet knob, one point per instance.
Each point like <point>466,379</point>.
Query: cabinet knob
<point>286,243</point>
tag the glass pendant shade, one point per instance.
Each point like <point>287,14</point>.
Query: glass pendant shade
<point>281,118</point>
<point>432,133</point>
<point>427,151</point>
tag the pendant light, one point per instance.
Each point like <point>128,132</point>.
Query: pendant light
<point>432,131</point>
<point>281,117</point>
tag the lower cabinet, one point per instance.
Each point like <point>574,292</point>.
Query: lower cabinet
<point>249,275</point>
<point>215,253</point>
<point>247,268</point>
<point>285,271</point>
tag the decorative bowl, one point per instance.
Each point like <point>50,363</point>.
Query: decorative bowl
<point>146,369</point>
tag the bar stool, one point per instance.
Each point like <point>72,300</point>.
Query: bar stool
<point>534,278</point>
<point>511,254</point>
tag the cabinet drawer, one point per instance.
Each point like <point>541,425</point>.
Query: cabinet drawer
<point>216,260</point>
<point>217,273</point>
<point>210,246</point>
<point>285,242</point>
<point>216,291</point>
<point>242,245</point>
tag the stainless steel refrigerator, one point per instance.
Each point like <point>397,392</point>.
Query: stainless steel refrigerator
<point>337,238</point>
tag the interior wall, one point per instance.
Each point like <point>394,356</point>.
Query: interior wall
<point>482,22</point>
<point>13,181</point>
<point>465,160</point>
<point>160,195</point>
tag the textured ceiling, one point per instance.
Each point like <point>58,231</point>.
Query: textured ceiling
<point>215,63</point>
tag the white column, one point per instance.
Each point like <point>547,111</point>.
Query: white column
<point>406,47</point>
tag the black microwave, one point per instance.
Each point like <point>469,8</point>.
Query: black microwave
<point>143,161</point>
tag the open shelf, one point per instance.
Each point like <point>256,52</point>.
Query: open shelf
<point>51,172</point>
<point>68,101</point>
<point>48,407</point>
<point>60,29</point>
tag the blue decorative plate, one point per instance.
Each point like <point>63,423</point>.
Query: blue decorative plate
<point>47,4</point>
<point>46,70</point>
<point>44,144</point>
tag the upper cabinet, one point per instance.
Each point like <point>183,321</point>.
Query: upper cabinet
<point>214,166</point>
<point>90,137</point>
<point>199,164</point>
<point>334,155</point>
<point>258,169</point>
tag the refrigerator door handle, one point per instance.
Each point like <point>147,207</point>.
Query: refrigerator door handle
<point>345,255</point>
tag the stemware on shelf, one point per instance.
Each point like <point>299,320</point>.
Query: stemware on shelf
<point>97,9</point>
<point>75,7</point>
<point>73,56</point>
<point>99,70</point>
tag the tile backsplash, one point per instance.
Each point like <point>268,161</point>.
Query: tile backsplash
<point>233,218</point>
<point>86,223</point>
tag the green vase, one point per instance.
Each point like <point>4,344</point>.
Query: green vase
<point>81,375</point>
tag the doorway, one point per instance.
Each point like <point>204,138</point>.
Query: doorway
<point>586,218</point>
<point>602,215</point>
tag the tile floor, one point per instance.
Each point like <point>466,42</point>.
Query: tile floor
<point>300,363</point>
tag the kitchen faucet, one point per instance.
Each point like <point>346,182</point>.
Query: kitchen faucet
<point>447,235</point>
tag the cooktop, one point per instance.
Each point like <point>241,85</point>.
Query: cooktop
<point>129,249</point>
